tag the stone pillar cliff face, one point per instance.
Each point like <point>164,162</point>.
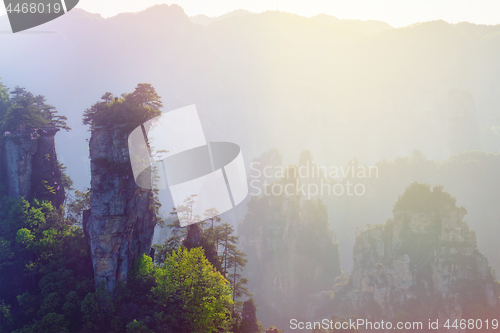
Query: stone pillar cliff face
<point>18,156</point>
<point>30,163</point>
<point>121,222</point>
<point>45,168</point>
<point>428,257</point>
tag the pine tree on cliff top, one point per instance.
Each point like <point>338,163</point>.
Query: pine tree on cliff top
<point>26,112</point>
<point>129,110</point>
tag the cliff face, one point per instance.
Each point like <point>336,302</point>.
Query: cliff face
<point>121,222</point>
<point>292,254</point>
<point>420,265</point>
<point>30,163</point>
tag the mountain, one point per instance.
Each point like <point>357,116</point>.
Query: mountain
<point>412,101</point>
<point>120,224</point>
<point>422,264</point>
<point>266,80</point>
<point>368,27</point>
<point>292,252</point>
<point>206,20</point>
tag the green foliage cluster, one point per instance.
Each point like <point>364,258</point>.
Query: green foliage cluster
<point>78,202</point>
<point>24,112</point>
<point>45,269</point>
<point>219,244</point>
<point>4,100</point>
<point>46,283</point>
<point>24,116</point>
<point>421,246</point>
<point>129,110</point>
<point>46,273</point>
<point>420,198</point>
<point>183,294</point>
<point>192,293</point>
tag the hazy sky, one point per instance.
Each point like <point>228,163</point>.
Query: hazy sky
<point>395,12</point>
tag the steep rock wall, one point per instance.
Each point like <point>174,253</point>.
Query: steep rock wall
<point>418,266</point>
<point>46,171</point>
<point>121,222</point>
<point>292,254</point>
<point>31,168</point>
<point>18,156</point>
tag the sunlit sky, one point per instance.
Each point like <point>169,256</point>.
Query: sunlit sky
<point>395,12</point>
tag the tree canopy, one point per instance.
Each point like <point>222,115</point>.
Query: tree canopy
<point>24,112</point>
<point>193,295</point>
<point>130,110</point>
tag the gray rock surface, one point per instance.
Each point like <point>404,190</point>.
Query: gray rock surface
<point>292,255</point>
<point>18,157</point>
<point>121,222</point>
<point>30,164</point>
<point>419,266</point>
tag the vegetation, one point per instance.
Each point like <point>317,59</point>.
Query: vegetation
<point>4,100</point>
<point>192,295</point>
<point>130,110</point>
<point>183,294</point>
<point>24,116</point>
<point>77,204</point>
<point>28,114</point>
<point>420,198</point>
<point>220,246</point>
<point>46,272</point>
<point>45,269</point>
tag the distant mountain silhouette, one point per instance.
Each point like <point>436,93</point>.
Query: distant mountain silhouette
<point>206,20</point>
<point>369,26</point>
<point>340,88</point>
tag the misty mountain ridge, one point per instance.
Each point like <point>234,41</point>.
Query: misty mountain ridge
<point>274,80</point>
<point>420,102</point>
<point>266,66</point>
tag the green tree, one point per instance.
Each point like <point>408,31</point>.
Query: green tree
<point>129,110</point>
<point>4,100</point>
<point>249,322</point>
<point>43,284</point>
<point>218,242</point>
<point>192,295</point>
<point>228,241</point>
<point>78,203</point>
<point>236,263</point>
<point>27,113</point>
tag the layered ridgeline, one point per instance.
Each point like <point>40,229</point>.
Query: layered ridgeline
<point>292,253</point>
<point>120,224</point>
<point>385,91</point>
<point>422,264</point>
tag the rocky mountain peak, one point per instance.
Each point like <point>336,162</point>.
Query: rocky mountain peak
<point>121,222</point>
<point>421,264</point>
